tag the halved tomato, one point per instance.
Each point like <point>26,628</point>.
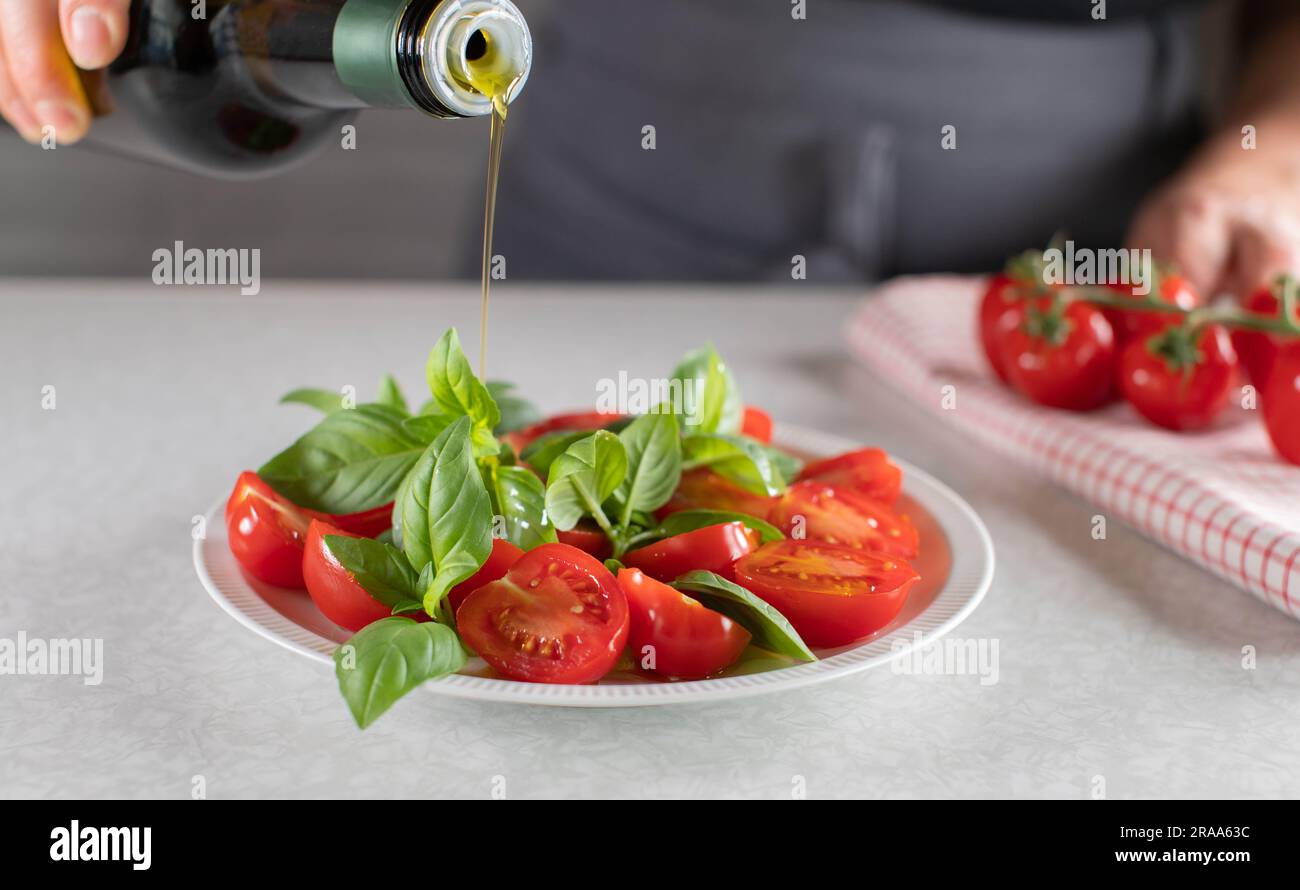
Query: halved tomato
<point>757,424</point>
<point>588,538</point>
<point>578,420</point>
<point>832,595</point>
<point>558,616</point>
<point>712,549</point>
<point>867,471</point>
<point>683,638</point>
<point>836,515</point>
<point>333,589</point>
<point>503,556</point>
<point>265,532</point>
<point>703,489</point>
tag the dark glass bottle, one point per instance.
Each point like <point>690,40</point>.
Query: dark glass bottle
<point>254,86</point>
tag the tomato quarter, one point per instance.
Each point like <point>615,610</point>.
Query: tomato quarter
<point>832,595</point>
<point>703,489</point>
<point>867,471</point>
<point>503,556</point>
<point>265,532</point>
<point>757,424</point>
<point>587,537</point>
<point>680,636</point>
<point>711,549</point>
<point>558,616</point>
<point>333,589</point>
<point>841,516</point>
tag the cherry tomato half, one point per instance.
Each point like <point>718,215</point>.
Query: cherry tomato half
<point>841,516</point>
<point>1075,371</point>
<point>703,489</point>
<point>265,532</point>
<point>832,595</point>
<point>333,588</point>
<point>503,556</point>
<point>1130,324</point>
<point>558,616</point>
<point>367,523</point>
<point>684,639</point>
<point>712,549</point>
<point>578,420</point>
<point>588,538</point>
<point>867,471</point>
<point>1178,398</point>
<point>1282,403</point>
<point>757,424</point>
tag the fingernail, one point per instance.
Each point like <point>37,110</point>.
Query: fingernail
<point>89,29</point>
<point>67,118</point>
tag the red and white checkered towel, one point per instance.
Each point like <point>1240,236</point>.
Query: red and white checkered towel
<point>1221,498</point>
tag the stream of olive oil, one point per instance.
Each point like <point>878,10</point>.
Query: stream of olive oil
<point>489,77</point>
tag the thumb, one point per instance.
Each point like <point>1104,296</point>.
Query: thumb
<point>94,31</point>
<point>1189,230</point>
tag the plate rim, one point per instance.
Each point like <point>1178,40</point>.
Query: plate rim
<point>893,645</point>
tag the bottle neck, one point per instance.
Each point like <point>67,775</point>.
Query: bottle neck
<point>449,58</point>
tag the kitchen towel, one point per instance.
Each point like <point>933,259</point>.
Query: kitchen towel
<point>1221,498</point>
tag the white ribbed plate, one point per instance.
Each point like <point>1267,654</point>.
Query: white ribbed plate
<point>938,603</point>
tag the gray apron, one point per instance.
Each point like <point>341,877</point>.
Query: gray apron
<point>824,137</point>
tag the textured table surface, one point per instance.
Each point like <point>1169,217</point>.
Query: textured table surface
<point>1121,667</point>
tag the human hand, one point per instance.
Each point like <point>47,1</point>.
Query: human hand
<point>1230,220</point>
<point>42,42</point>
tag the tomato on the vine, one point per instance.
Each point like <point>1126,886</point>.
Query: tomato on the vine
<point>266,532</point>
<point>1258,349</point>
<point>1179,379</point>
<point>558,616</point>
<point>1002,294</point>
<point>712,549</point>
<point>1061,356</point>
<point>1282,403</point>
<point>868,471</point>
<point>842,516</point>
<point>679,636</point>
<point>832,595</point>
<point>1130,324</point>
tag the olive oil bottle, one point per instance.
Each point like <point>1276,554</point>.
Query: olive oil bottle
<point>254,86</point>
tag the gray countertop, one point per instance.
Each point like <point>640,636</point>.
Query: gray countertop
<point>1121,666</point>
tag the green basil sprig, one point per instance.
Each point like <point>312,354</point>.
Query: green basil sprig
<point>768,627</point>
<point>654,465</point>
<point>387,659</point>
<point>382,569</point>
<point>446,514</point>
<point>516,412</point>
<point>738,458</point>
<point>720,408</point>
<point>520,500</point>
<point>351,461</point>
<point>390,394</point>
<point>458,393</point>
<point>583,478</point>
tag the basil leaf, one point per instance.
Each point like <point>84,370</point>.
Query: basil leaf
<point>583,477</point>
<point>521,501</point>
<point>717,407</point>
<point>516,412</point>
<point>327,401</point>
<point>446,512</point>
<point>387,659</point>
<point>684,521</point>
<point>654,464</point>
<point>542,451</point>
<point>786,464</point>
<point>457,392</point>
<point>768,627</point>
<point>427,427</point>
<point>351,461</point>
<point>738,458</point>
<point>390,394</point>
<point>380,568</point>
